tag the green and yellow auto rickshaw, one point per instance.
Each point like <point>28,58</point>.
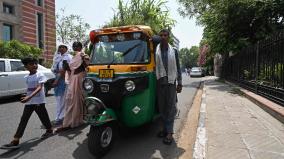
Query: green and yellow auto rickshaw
<point>121,83</point>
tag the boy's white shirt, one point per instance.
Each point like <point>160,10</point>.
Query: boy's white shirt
<point>172,67</point>
<point>32,82</point>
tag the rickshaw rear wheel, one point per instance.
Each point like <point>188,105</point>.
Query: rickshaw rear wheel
<point>100,139</point>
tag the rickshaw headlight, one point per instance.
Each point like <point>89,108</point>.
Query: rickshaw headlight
<point>88,85</point>
<point>129,85</point>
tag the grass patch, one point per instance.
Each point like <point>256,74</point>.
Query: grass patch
<point>220,80</point>
<point>236,91</point>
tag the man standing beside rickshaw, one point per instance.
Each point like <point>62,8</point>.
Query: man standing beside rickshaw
<point>168,73</point>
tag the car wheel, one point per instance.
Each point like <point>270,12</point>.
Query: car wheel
<point>100,139</point>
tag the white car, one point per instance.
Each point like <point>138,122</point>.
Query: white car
<point>196,72</point>
<point>12,80</point>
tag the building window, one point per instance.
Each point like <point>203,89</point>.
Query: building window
<point>7,32</point>
<point>9,9</point>
<point>39,3</point>
<point>40,30</point>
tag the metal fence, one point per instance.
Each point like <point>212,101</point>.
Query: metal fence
<point>259,68</point>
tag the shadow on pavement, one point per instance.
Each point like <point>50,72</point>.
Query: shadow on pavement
<point>72,133</point>
<point>192,85</point>
<point>221,86</point>
<point>26,147</point>
<point>11,99</point>
<point>139,143</point>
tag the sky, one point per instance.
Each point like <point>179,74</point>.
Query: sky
<point>98,12</point>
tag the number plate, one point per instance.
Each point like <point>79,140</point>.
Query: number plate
<point>106,73</point>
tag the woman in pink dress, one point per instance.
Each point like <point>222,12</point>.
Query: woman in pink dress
<point>74,108</point>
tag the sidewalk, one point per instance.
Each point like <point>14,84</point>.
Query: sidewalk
<point>236,128</point>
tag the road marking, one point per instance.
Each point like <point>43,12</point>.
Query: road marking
<point>203,108</point>
<point>200,142</point>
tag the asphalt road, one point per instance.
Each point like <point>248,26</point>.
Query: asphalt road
<point>141,143</point>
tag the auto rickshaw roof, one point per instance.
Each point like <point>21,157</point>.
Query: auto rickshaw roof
<point>125,29</point>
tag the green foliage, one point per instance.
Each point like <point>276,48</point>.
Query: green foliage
<point>230,25</point>
<point>153,13</point>
<point>189,57</point>
<point>17,50</point>
<point>267,73</point>
<point>70,28</point>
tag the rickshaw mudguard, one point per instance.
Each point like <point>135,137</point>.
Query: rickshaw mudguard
<point>108,115</point>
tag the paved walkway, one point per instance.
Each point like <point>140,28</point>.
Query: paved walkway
<point>236,128</point>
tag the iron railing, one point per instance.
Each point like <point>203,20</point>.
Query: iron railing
<point>259,68</point>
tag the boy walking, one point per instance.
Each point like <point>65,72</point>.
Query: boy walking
<point>34,101</point>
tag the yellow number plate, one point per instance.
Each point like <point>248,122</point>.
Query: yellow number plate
<point>106,73</point>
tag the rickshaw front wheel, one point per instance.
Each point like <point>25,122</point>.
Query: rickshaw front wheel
<point>100,139</point>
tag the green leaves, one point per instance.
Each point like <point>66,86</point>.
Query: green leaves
<point>189,57</point>
<point>153,13</point>
<point>17,50</point>
<point>230,25</point>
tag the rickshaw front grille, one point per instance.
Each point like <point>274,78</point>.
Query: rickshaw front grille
<point>112,93</point>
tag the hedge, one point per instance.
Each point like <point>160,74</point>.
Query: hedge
<point>17,50</point>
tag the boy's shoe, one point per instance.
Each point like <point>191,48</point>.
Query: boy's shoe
<point>12,145</point>
<point>47,134</point>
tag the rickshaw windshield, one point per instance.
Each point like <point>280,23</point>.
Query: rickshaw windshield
<point>120,52</point>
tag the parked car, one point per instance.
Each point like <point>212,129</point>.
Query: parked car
<point>196,72</point>
<point>12,74</point>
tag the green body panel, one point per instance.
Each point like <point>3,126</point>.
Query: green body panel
<point>145,100</point>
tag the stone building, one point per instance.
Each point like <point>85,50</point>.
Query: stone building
<point>31,22</point>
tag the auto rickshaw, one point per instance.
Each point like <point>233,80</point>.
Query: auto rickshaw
<point>120,84</point>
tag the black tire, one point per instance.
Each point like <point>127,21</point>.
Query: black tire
<point>95,144</point>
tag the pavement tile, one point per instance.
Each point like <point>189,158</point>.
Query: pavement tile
<point>236,109</point>
<point>218,121</point>
<point>221,129</point>
<point>226,153</point>
<point>226,140</point>
<point>263,143</point>
<point>237,128</point>
<point>265,155</point>
<point>216,109</point>
<point>249,128</point>
<point>240,115</point>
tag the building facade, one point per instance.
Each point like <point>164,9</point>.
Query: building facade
<point>175,42</point>
<point>31,22</point>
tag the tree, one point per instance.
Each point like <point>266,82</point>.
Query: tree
<point>189,57</point>
<point>153,13</point>
<point>17,50</point>
<point>231,25</point>
<point>70,28</point>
